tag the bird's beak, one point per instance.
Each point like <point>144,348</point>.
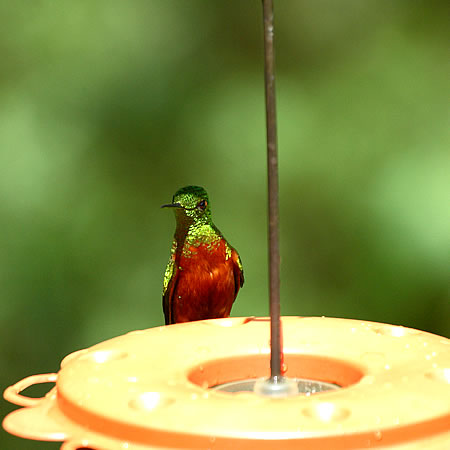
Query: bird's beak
<point>172,205</point>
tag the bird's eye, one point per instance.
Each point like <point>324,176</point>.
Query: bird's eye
<point>202,204</point>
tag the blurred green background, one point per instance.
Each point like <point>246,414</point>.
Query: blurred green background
<point>108,107</point>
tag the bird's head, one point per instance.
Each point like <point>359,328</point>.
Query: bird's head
<point>191,204</point>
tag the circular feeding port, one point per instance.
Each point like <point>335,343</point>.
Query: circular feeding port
<point>312,373</point>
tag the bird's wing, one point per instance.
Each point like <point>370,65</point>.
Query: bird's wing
<point>170,281</point>
<point>238,272</point>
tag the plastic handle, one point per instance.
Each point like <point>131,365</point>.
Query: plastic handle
<point>12,393</point>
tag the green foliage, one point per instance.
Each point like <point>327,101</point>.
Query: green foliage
<point>108,107</point>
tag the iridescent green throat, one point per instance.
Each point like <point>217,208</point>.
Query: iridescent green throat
<point>195,233</point>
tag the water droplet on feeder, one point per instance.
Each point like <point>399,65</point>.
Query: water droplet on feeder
<point>439,375</point>
<point>227,323</point>
<point>103,356</point>
<point>327,412</point>
<point>148,401</point>
<point>397,331</point>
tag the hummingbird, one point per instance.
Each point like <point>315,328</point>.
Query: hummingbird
<point>204,272</point>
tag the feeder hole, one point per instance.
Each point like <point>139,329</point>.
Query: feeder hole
<point>305,387</point>
<point>312,373</point>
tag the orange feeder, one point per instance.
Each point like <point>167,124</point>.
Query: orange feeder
<point>166,387</point>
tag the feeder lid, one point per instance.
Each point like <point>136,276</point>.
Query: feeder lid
<point>150,389</point>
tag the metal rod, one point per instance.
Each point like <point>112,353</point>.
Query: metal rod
<point>272,173</point>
